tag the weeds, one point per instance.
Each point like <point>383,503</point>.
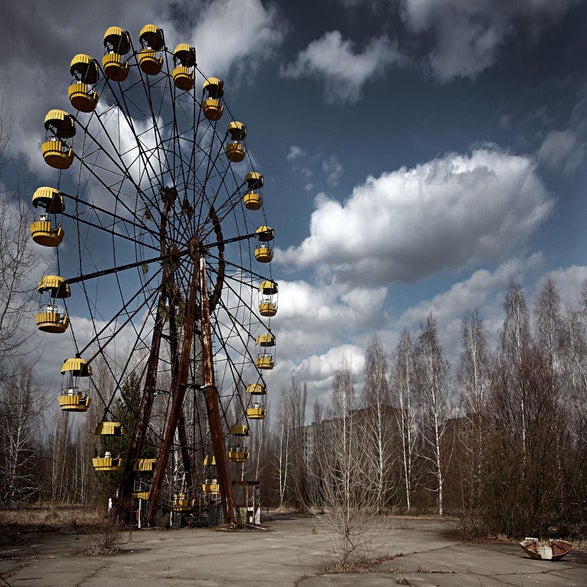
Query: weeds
<point>106,541</point>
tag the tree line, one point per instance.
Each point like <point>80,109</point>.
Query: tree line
<point>499,439</point>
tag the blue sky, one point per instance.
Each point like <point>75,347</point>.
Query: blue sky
<point>418,154</point>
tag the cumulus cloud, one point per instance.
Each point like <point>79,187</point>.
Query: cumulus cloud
<point>561,150</point>
<point>483,290</point>
<point>327,311</point>
<point>343,70</point>
<point>445,214</point>
<point>569,281</point>
<point>467,36</point>
<point>229,35</point>
<point>236,32</point>
<point>319,370</point>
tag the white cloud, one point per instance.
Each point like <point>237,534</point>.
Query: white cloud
<point>294,153</point>
<point>333,170</point>
<point>229,35</point>
<point>313,166</point>
<point>236,32</point>
<point>561,150</point>
<point>569,281</point>
<point>468,36</point>
<point>484,291</point>
<point>313,317</point>
<point>445,214</point>
<point>343,70</point>
<point>319,370</point>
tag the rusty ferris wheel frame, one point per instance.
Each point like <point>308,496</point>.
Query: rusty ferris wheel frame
<point>172,190</point>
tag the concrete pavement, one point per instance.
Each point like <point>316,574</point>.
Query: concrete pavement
<point>291,551</point>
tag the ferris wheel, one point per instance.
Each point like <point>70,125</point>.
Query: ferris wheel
<point>161,272</point>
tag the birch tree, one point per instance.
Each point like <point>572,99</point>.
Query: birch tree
<point>433,392</point>
<point>474,378</point>
<point>19,438</point>
<point>17,257</point>
<point>283,454</point>
<point>292,469</point>
<point>515,342</point>
<point>407,418</point>
<point>376,430</point>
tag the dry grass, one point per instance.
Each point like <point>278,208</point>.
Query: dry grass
<point>48,518</point>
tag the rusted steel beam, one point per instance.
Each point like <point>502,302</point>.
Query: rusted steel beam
<point>178,389</point>
<point>212,405</point>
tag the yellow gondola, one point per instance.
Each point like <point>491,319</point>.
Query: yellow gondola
<point>238,454</point>
<point>85,73</point>
<point>252,201</point>
<point>267,302</point>
<point>72,398</point>
<point>107,463</point>
<point>183,504</point>
<point>256,411</point>
<point>211,487</point>
<point>263,250</point>
<point>116,43</point>
<point>109,429</point>
<point>183,73</point>
<point>152,41</point>
<point>264,362</point>
<point>212,106</point>
<point>235,150</point>
<point>50,318</point>
<point>256,389</point>
<point>252,198</point>
<point>144,465</point>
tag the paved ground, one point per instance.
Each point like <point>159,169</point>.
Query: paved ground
<point>292,551</point>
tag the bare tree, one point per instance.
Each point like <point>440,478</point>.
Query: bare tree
<point>515,342</point>
<point>290,441</point>
<point>378,435</point>
<point>474,378</point>
<point>531,471</point>
<point>17,258</point>
<point>347,490</point>
<point>283,454</point>
<point>433,393</point>
<point>61,445</point>
<point>408,422</point>
<point>19,438</point>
